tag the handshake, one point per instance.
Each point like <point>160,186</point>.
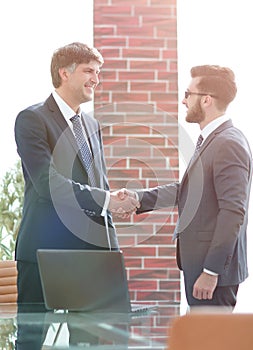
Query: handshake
<point>123,203</point>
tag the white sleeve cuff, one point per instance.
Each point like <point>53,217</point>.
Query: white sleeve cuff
<point>210,272</point>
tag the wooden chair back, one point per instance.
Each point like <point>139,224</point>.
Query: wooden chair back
<point>211,331</point>
<point>8,281</point>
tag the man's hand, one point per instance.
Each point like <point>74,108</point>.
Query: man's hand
<point>205,286</point>
<point>123,203</point>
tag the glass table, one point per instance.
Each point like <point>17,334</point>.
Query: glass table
<point>31,327</point>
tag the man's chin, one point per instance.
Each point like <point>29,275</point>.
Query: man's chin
<point>87,98</point>
<point>189,120</point>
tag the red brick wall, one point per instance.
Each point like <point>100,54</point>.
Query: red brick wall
<point>136,104</point>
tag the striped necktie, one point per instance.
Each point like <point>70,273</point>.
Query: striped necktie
<point>199,142</point>
<point>84,148</point>
<point>198,146</point>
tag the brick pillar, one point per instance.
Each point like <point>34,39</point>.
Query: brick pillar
<point>136,104</point>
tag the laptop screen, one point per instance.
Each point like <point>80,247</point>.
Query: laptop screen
<point>84,280</point>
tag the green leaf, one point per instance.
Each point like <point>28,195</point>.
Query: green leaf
<point>11,202</point>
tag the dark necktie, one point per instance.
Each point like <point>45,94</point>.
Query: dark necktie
<point>199,142</point>
<point>198,146</point>
<point>84,148</point>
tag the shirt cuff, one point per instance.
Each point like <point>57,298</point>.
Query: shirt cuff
<point>136,196</point>
<point>210,272</point>
<point>106,203</point>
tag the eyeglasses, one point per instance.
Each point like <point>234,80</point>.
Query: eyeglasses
<point>188,93</point>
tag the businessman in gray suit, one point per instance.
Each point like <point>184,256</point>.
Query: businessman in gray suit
<point>213,195</point>
<point>67,201</point>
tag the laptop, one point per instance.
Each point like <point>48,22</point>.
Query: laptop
<point>85,280</point>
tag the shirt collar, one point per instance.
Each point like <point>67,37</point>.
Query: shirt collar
<point>213,125</point>
<point>66,111</point>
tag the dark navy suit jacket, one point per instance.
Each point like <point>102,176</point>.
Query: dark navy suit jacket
<point>61,211</point>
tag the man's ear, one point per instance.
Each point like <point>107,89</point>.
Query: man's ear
<point>207,100</point>
<point>63,73</point>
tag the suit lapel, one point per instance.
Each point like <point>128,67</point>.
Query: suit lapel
<point>91,132</point>
<point>66,132</point>
<point>206,143</point>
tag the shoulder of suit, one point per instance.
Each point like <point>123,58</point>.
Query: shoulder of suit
<point>31,110</point>
<point>40,105</point>
<point>36,110</point>
<point>227,137</point>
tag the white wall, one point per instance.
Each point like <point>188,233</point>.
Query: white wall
<point>220,32</point>
<point>30,32</point>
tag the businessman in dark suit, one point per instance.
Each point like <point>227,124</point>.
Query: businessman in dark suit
<point>67,202</point>
<point>213,195</point>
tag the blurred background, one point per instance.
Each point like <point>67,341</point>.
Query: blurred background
<point>216,32</point>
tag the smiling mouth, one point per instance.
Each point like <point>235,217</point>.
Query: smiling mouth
<point>90,87</point>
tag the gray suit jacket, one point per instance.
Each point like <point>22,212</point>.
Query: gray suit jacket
<point>212,201</point>
<point>60,210</point>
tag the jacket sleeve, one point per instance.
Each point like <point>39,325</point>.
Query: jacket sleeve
<point>232,179</point>
<point>158,197</point>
